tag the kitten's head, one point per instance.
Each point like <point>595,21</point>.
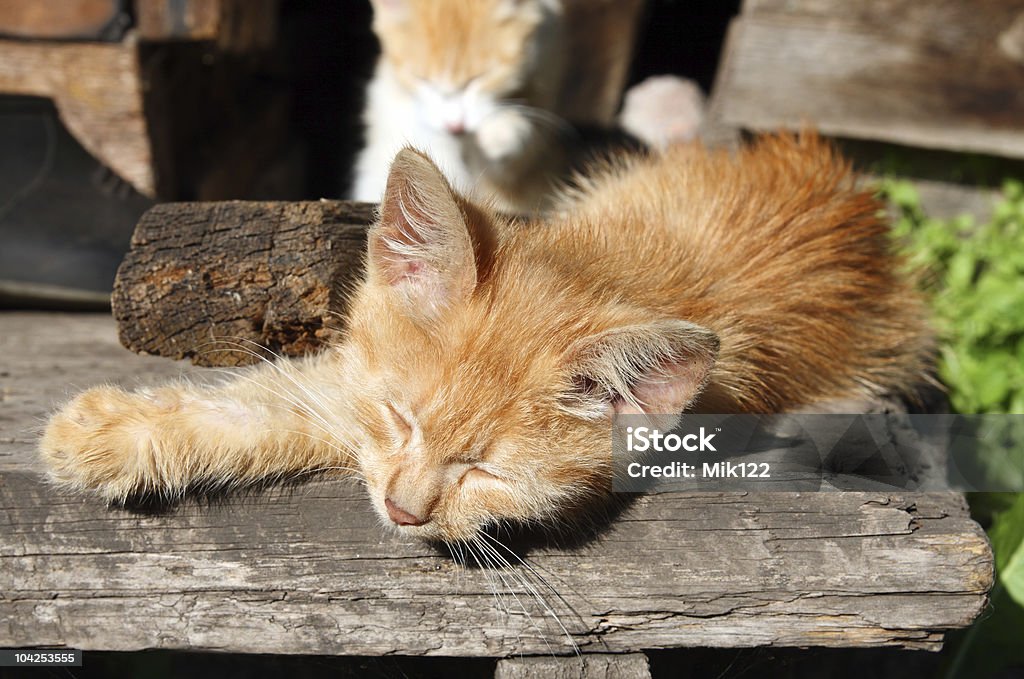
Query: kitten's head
<point>488,377</point>
<point>462,59</point>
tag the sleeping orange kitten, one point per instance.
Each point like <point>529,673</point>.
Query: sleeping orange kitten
<point>484,360</point>
<point>475,84</point>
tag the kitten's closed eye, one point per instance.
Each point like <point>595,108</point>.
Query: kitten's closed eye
<point>403,427</point>
<point>480,475</point>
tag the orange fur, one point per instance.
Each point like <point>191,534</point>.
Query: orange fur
<point>484,359</point>
<point>451,42</point>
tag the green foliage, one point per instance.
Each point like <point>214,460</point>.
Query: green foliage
<point>975,274</point>
<point>1007,534</point>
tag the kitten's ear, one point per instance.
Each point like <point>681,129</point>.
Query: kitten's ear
<point>650,368</point>
<point>421,246</point>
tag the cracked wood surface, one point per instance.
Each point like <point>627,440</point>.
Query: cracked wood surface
<point>202,277</point>
<point>307,568</point>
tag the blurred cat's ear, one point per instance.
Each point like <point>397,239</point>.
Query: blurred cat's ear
<point>649,368</point>
<point>421,247</point>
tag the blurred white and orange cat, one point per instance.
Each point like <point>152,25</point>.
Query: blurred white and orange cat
<point>475,84</point>
<point>484,359</point>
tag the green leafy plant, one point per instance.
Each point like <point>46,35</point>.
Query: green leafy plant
<point>975,274</point>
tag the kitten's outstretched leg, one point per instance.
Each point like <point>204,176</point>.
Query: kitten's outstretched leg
<point>267,422</point>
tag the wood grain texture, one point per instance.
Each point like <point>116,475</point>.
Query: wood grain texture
<point>307,569</point>
<point>235,25</point>
<point>268,273</point>
<point>61,19</point>
<point>943,74</point>
<point>594,666</point>
<point>98,91</point>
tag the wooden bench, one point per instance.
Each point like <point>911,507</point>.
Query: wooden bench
<point>307,569</point>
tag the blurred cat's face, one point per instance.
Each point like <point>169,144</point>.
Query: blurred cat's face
<point>484,394</point>
<point>461,59</point>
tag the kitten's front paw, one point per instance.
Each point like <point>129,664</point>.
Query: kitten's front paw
<point>102,440</point>
<point>503,136</point>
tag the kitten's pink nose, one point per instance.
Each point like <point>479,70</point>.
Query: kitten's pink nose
<point>456,126</point>
<point>400,516</point>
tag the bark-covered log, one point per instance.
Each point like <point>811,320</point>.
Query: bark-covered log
<point>309,570</point>
<point>201,277</point>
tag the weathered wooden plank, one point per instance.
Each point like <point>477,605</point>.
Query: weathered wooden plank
<point>941,74</point>
<point>235,25</point>
<point>97,88</point>
<point>307,569</point>
<point>56,19</point>
<point>201,274</point>
<point>595,666</point>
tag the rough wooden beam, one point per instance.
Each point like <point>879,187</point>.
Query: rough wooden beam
<point>235,25</point>
<point>201,274</point>
<point>309,570</point>
<point>97,91</point>
<point>595,666</point>
<point>946,75</point>
<point>97,88</point>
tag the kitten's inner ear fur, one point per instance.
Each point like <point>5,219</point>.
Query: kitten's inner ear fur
<point>649,368</point>
<point>421,247</point>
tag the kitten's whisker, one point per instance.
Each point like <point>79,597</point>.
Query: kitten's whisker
<point>540,115</point>
<point>283,372</point>
<point>504,565</point>
<point>540,598</point>
<point>303,408</point>
<point>534,571</point>
<point>487,577</point>
<point>498,567</point>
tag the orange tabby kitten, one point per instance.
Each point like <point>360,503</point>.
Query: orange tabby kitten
<point>485,360</point>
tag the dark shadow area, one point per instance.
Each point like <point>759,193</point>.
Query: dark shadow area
<point>329,52</point>
<point>973,169</point>
<point>65,219</point>
<point>682,38</point>
<point>157,664</point>
<point>744,663</point>
<point>793,663</point>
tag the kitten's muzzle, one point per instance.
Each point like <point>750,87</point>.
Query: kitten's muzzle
<point>401,517</point>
